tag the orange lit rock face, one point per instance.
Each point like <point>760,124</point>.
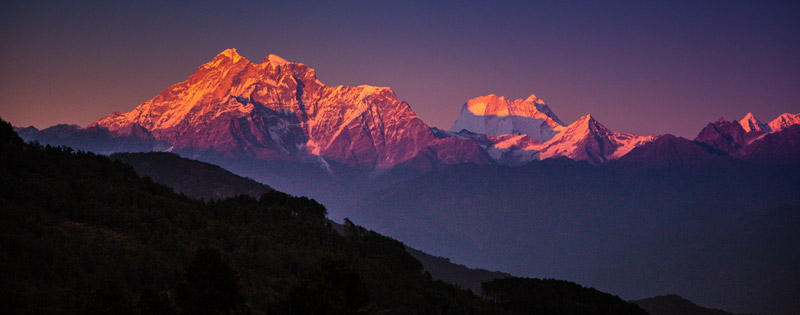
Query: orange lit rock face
<point>783,121</point>
<point>278,109</point>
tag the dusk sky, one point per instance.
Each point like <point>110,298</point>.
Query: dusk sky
<point>638,66</point>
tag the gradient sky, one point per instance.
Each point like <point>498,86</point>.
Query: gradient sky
<point>638,66</point>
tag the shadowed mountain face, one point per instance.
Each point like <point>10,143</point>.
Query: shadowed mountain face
<point>725,136</point>
<point>742,139</point>
<point>672,151</point>
<point>782,147</point>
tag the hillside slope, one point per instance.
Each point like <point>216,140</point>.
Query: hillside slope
<point>81,233</point>
<point>675,305</point>
<point>193,178</point>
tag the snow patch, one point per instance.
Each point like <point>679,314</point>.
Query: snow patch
<point>276,60</point>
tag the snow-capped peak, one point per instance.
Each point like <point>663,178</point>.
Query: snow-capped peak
<point>534,99</point>
<point>784,120</point>
<point>587,119</point>
<point>494,115</point>
<point>587,139</point>
<point>751,123</point>
<point>276,60</point>
<point>230,53</point>
<point>585,125</point>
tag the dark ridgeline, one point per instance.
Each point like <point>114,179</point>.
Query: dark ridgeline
<point>673,304</point>
<point>82,233</point>
<point>442,268</point>
<point>194,178</point>
<point>550,296</point>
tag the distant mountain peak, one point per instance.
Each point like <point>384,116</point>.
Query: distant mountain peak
<point>784,120</point>
<point>494,115</point>
<point>227,54</point>
<point>533,99</point>
<point>275,60</point>
<point>750,123</point>
<point>587,139</point>
<point>588,119</point>
<point>230,52</point>
<point>587,124</point>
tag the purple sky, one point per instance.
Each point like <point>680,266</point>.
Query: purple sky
<point>640,66</point>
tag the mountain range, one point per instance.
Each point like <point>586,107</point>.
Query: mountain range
<point>508,187</point>
<point>278,110</point>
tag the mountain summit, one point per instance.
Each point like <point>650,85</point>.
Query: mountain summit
<point>278,109</point>
<point>750,123</point>
<point>495,116</point>
<point>587,139</point>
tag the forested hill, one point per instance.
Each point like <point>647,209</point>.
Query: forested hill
<point>193,178</point>
<point>82,233</point>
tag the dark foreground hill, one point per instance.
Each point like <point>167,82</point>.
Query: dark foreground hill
<point>82,233</point>
<point>194,178</point>
<point>673,305</point>
<point>443,269</point>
